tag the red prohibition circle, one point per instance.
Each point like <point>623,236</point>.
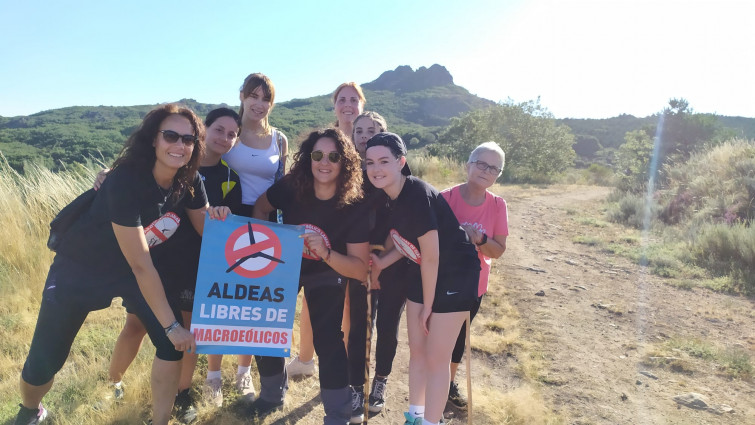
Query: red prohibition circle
<point>237,247</point>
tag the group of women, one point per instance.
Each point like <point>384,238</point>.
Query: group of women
<point>351,188</point>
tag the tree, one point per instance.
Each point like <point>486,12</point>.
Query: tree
<point>536,147</point>
<point>633,160</point>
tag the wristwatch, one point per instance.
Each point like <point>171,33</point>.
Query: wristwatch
<point>483,241</point>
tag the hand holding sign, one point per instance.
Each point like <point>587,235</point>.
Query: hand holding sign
<point>316,244</point>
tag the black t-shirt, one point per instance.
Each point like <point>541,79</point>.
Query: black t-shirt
<point>129,197</point>
<point>178,264</point>
<point>337,226</point>
<point>418,209</point>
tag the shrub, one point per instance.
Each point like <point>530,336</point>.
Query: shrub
<point>728,249</point>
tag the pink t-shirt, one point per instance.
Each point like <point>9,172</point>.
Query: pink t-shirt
<point>492,218</point>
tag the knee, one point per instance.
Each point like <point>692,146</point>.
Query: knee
<point>133,329</point>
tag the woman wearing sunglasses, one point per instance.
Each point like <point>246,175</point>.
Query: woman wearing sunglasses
<point>177,265</point>
<point>485,218</point>
<point>259,158</point>
<point>106,254</point>
<point>442,276</point>
<point>322,193</point>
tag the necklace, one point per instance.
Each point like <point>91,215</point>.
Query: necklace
<point>165,193</point>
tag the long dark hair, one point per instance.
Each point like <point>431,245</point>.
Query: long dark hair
<point>349,181</point>
<point>139,149</point>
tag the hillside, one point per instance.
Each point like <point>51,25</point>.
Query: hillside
<point>416,104</point>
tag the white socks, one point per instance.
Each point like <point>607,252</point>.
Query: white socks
<point>240,370</point>
<point>214,374</point>
<point>417,411</point>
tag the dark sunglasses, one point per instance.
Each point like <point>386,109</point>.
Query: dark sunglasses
<point>171,136</point>
<point>332,156</point>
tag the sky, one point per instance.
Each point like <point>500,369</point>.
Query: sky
<point>582,59</point>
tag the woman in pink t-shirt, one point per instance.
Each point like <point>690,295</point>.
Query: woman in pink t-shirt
<point>485,218</point>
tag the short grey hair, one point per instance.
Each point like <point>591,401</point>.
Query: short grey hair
<point>487,147</point>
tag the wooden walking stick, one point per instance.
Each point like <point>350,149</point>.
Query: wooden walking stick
<point>369,336</point>
<point>469,370</point>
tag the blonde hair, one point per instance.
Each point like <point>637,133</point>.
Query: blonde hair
<point>353,85</point>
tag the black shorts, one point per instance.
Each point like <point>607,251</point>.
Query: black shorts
<point>454,291</point>
<point>71,292</point>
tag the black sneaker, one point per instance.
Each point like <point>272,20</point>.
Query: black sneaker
<point>357,405</point>
<point>183,408</point>
<point>455,397</point>
<point>261,408</point>
<point>377,395</point>
<point>30,416</point>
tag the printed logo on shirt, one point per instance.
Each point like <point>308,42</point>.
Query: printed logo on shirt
<point>161,229</point>
<point>406,248</point>
<point>311,228</point>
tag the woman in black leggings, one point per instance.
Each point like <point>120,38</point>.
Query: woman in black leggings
<point>322,193</point>
<point>106,254</point>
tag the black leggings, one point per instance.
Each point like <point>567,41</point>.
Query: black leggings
<point>64,308</point>
<point>326,313</point>
<point>462,339</point>
<point>358,331</point>
<point>390,305</point>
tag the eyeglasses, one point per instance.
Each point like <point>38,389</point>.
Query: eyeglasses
<point>332,156</point>
<point>484,166</point>
<point>171,137</point>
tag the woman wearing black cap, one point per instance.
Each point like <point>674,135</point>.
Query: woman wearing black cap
<point>442,277</point>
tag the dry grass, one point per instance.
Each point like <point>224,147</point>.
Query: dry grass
<point>79,396</point>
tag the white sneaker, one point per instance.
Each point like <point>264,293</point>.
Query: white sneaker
<point>245,386</point>
<point>213,392</point>
<point>297,367</point>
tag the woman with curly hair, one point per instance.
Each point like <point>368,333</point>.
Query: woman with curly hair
<point>322,193</point>
<point>106,254</point>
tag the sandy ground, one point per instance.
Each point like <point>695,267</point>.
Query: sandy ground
<point>599,319</point>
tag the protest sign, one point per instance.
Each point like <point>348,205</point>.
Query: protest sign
<point>247,282</point>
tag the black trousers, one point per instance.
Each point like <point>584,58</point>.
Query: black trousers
<point>325,303</point>
<point>357,342</point>
<point>390,304</point>
<point>462,339</point>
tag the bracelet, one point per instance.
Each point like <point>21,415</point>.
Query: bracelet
<point>172,327</point>
<point>327,257</point>
<point>483,241</point>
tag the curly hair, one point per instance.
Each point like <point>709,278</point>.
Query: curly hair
<point>139,149</point>
<point>349,181</point>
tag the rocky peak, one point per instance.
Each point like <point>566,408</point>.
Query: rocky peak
<point>403,78</point>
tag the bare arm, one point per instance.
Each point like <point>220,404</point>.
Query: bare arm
<point>284,153</point>
<point>494,247</point>
<point>262,207</point>
<point>134,247</point>
<point>429,247</point>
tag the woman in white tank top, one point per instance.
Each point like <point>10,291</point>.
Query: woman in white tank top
<point>259,158</point>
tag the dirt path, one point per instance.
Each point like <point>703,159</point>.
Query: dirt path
<point>600,314</point>
<point>597,323</point>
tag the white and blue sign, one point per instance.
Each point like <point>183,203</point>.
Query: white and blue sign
<point>247,282</point>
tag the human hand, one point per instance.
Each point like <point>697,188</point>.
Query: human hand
<point>219,213</point>
<point>315,243</point>
<point>373,276</point>
<point>182,339</point>
<point>100,178</point>
<point>475,236</point>
<point>424,318</point>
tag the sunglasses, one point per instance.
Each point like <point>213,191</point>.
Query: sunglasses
<point>332,156</point>
<point>171,137</point>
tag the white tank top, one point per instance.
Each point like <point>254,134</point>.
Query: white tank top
<point>256,168</point>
